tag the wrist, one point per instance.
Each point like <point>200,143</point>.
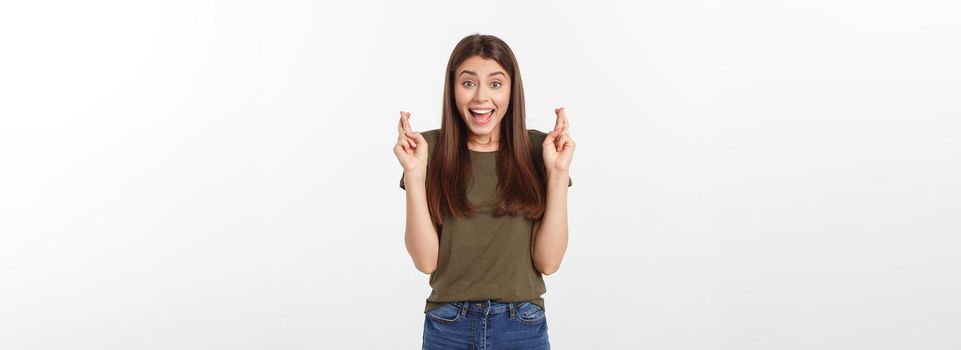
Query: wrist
<point>415,174</point>
<point>558,175</point>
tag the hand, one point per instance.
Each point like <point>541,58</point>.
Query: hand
<point>558,146</point>
<point>411,148</point>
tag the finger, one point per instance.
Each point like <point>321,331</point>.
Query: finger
<point>400,147</point>
<point>407,123</point>
<point>550,137</point>
<point>563,117</point>
<point>555,134</point>
<point>415,136</point>
<point>402,142</point>
<point>566,143</point>
<point>404,129</point>
<point>412,137</point>
<point>418,140</point>
<point>557,121</point>
<point>407,131</point>
<point>409,139</point>
<point>558,130</point>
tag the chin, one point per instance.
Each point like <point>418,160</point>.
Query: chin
<point>483,129</point>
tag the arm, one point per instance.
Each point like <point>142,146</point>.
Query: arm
<point>550,232</point>
<point>420,235</point>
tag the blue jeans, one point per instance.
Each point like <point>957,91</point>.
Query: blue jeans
<point>486,325</point>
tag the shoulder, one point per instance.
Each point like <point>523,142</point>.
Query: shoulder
<point>431,136</point>
<point>535,132</point>
<point>536,136</point>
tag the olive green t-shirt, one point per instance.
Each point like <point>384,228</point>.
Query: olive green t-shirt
<point>485,257</point>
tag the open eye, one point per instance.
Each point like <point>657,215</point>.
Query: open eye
<point>496,84</point>
<point>467,83</point>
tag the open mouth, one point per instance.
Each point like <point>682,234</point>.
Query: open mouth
<point>481,116</point>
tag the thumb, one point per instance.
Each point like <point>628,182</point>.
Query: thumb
<point>551,136</point>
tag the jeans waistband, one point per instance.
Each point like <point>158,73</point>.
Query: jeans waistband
<point>487,306</point>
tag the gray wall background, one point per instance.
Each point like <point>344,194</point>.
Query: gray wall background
<point>219,174</point>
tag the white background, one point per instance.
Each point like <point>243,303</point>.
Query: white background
<point>219,174</point>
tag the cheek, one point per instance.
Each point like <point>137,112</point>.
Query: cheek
<point>503,99</point>
<point>461,97</point>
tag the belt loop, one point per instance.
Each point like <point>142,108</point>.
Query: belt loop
<point>463,308</point>
<point>511,307</point>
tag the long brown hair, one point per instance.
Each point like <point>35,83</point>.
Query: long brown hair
<point>521,186</point>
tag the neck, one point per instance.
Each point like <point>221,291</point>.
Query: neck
<point>484,143</point>
<point>484,140</point>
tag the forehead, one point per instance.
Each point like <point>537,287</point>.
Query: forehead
<point>482,66</point>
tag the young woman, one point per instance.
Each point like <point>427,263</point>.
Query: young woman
<point>486,205</point>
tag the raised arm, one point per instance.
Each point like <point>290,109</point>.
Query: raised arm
<point>550,232</point>
<point>420,235</point>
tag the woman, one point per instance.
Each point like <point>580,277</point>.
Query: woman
<point>486,205</point>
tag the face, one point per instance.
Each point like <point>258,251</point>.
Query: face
<point>482,92</point>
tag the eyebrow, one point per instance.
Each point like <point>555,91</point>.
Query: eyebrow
<point>472,72</point>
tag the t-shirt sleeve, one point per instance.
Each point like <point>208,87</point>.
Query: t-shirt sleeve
<point>431,137</point>
<point>537,138</point>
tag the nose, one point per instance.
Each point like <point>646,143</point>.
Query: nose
<point>481,95</point>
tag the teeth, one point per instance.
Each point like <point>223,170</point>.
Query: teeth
<point>481,111</point>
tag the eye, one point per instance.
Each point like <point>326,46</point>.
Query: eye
<point>467,83</point>
<point>496,84</point>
